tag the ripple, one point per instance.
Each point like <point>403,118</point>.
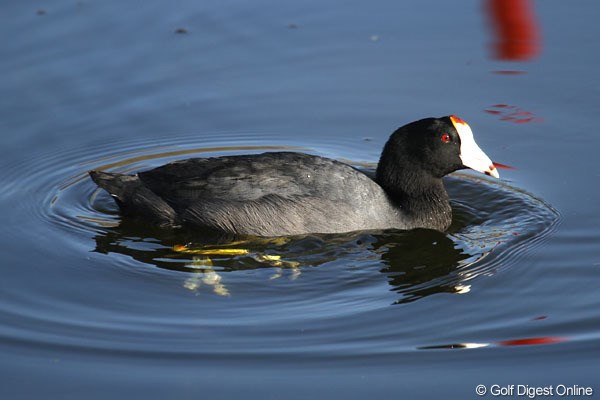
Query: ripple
<point>494,225</point>
<point>349,276</point>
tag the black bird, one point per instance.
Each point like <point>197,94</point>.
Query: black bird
<point>288,193</point>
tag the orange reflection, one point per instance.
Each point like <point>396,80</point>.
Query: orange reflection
<point>502,166</point>
<point>515,28</point>
<point>533,341</point>
<point>512,114</point>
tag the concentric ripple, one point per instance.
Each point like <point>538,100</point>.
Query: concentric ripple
<point>316,280</point>
<point>494,224</point>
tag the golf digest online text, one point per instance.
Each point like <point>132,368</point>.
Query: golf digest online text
<point>532,392</point>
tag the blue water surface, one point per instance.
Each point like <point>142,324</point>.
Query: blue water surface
<point>96,307</point>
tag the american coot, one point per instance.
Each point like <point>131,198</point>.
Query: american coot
<point>287,193</point>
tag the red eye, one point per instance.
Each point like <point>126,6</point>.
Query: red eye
<point>445,138</point>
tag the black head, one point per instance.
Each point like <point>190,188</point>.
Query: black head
<point>436,147</point>
<point>431,145</point>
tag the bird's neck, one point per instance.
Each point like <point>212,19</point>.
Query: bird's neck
<point>420,196</point>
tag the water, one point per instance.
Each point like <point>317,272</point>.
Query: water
<point>96,307</point>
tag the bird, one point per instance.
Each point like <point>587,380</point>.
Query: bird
<point>288,193</point>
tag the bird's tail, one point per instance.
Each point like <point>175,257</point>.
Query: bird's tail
<point>115,184</point>
<point>134,198</point>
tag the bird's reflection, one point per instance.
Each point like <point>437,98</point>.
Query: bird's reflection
<point>415,263</point>
<point>422,263</point>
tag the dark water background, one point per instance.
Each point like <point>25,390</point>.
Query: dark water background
<point>94,308</point>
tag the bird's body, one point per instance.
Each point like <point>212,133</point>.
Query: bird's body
<point>287,197</point>
<point>287,193</point>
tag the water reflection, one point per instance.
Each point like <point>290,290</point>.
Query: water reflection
<point>415,264</point>
<point>515,28</point>
<point>514,114</point>
<point>533,341</point>
<point>424,262</point>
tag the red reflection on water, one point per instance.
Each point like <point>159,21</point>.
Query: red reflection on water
<point>515,28</point>
<point>509,72</point>
<point>502,166</point>
<point>533,341</point>
<point>512,114</point>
